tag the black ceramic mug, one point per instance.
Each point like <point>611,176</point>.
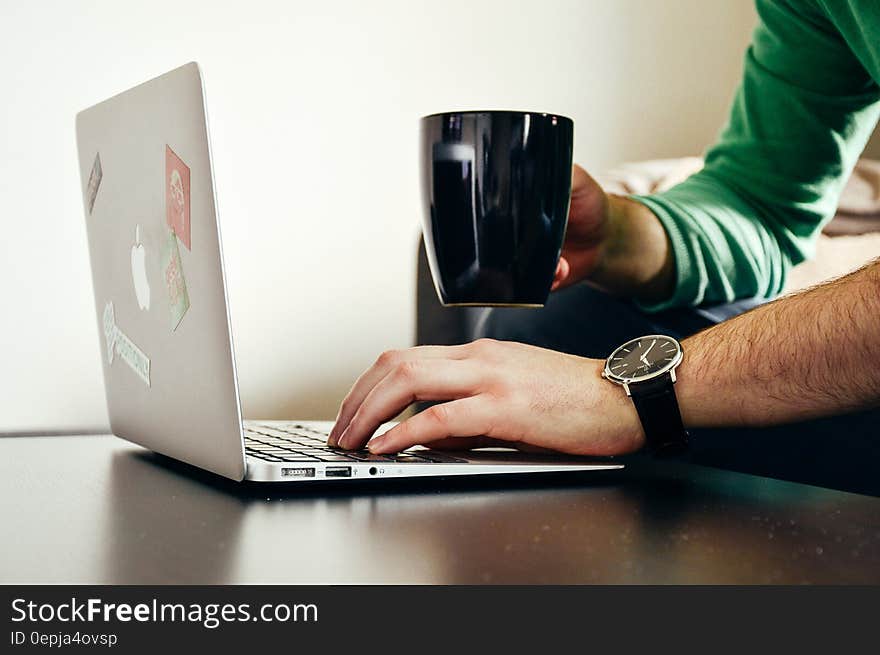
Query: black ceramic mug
<point>496,187</point>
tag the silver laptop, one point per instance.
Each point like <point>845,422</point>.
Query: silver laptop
<point>163,318</point>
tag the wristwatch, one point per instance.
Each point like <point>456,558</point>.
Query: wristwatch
<point>645,368</point>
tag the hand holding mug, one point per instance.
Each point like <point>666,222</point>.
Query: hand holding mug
<point>586,237</point>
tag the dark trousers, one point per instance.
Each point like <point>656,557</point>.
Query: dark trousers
<point>841,452</point>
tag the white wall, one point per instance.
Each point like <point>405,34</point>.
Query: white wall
<point>314,109</point>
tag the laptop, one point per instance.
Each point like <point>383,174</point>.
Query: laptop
<point>163,316</point>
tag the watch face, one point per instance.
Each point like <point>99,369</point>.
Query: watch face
<point>643,358</point>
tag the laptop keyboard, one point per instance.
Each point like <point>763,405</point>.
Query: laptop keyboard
<point>291,442</point>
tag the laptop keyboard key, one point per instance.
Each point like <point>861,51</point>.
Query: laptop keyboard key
<point>365,456</point>
<point>441,458</point>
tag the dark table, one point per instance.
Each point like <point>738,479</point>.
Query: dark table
<point>100,510</point>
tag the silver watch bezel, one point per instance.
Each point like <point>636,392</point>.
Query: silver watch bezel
<point>625,382</point>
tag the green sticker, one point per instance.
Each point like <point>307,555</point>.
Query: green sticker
<point>119,343</point>
<point>175,283</point>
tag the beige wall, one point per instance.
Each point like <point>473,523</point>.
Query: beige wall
<point>314,110</point>
<point>872,150</point>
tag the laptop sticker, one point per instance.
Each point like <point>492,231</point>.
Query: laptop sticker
<point>94,182</point>
<point>175,283</point>
<point>118,343</point>
<point>177,196</point>
<point>110,331</point>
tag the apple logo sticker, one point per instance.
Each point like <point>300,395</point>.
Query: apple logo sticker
<point>139,271</point>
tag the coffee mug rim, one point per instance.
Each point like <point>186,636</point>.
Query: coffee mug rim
<point>472,112</point>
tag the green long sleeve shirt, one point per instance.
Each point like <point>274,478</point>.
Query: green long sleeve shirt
<point>807,104</point>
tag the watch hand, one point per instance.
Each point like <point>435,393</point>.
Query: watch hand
<point>649,349</point>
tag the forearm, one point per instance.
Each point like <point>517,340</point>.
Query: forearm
<point>812,354</point>
<point>799,121</point>
<point>636,259</point>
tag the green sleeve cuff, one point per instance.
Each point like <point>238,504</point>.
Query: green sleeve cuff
<point>687,284</point>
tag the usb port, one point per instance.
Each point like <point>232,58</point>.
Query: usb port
<point>337,472</point>
<point>298,473</point>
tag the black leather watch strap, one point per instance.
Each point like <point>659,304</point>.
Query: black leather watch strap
<point>661,419</point>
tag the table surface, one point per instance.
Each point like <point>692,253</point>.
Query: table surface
<point>100,510</point>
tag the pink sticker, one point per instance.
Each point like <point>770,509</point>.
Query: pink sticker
<point>177,196</point>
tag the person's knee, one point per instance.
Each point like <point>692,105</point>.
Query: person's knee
<point>579,320</point>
